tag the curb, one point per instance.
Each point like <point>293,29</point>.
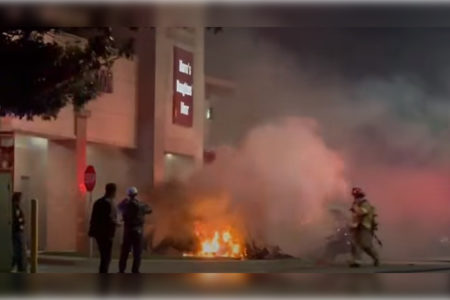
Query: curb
<point>66,261</point>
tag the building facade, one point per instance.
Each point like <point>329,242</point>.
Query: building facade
<point>148,127</point>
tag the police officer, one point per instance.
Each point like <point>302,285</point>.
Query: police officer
<point>18,238</point>
<point>363,228</point>
<point>133,213</point>
<point>103,225</point>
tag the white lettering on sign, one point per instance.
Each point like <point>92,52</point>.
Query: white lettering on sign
<point>184,67</point>
<point>184,88</point>
<point>184,109</point>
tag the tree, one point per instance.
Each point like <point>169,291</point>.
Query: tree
<point>40,74</point>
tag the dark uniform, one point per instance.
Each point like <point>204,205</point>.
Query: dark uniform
<point>102,228</point>
<point>18,239</point>
<point>133,213</point>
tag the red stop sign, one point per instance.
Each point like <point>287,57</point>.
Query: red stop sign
<point>90,178</point>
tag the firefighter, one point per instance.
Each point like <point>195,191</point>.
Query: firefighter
<point>133,214</point>
<point>363,228</point>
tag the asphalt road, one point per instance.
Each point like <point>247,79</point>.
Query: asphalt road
<point>262,278</point>
<point>159,266</point>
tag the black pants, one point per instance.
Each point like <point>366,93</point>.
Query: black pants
<point>132,239</point>
<point>19,252</point>
<point>105,249</point>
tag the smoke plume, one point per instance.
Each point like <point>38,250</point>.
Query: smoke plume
<point>319,111</point>
<point>275,188</point>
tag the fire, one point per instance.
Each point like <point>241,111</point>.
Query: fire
<point>217,243</point>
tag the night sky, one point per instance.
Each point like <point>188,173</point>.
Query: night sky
<point>340,76</point>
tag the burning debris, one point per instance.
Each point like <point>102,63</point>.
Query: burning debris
<point>224,243</point>
<point>219,243</point>
<point>274,252</point>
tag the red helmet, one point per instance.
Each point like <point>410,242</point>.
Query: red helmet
<point>357,192</point>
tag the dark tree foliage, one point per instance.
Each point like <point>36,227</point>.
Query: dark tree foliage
<point>44,69</point>
<point>41,72</point>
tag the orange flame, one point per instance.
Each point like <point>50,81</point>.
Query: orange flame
<point>217,243</point>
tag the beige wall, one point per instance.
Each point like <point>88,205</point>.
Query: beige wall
<point>30,178</point>
<point>113,116</point>
<point>45,170</point>
<point>62,127</point>
<point>112,164</point>
<point>61,192</point>
<point>178,167</point>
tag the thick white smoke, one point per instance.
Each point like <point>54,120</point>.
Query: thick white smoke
<point>391,131</point>
<point>283,178</point>
<point>276,186</point>
<point>298,134</point>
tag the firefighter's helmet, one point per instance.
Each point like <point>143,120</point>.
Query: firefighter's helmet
<point>357,192</point>
<point>132,191</point>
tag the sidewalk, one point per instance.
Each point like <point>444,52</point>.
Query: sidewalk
<point>70,264</point>
<point>74,264</point>
<point>64,260</point>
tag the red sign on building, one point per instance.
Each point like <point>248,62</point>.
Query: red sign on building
<point>183,97</point>
<point>90,178</point>
<point>7,152</point>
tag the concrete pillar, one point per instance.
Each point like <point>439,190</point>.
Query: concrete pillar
<point>82,240</point>
<point>149,165</point>
<point>156,131</point>
<point>178,139</point>
<point>199,95</point>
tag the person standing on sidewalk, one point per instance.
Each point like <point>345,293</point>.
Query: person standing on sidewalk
<point>18,237</point>
<point>133,213</point>
<point>103,225</point>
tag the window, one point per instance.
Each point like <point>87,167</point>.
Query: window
<point>209,113</point>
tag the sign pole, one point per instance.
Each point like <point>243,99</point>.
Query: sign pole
<point>90,239</point>
<point>89,182</point>
<point>34,236</point>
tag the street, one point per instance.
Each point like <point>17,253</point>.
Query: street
<point>51,264</point>
<point>185,277</point>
